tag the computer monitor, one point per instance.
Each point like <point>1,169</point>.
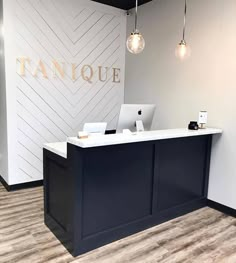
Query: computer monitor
<point>130,113</point>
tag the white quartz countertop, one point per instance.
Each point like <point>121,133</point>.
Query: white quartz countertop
<point>60,148</point>
<point>105,140</point>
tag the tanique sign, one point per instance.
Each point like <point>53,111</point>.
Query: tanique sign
<point>87,72</point>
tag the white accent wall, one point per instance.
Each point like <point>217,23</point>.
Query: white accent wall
<point>44,110</point>
<point>207,81</point>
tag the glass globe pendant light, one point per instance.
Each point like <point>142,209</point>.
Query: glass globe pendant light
<point>183,51</point>
<point>135,42</point>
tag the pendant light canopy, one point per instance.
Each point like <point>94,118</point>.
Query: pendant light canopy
<point>183,51</point>
<point>135,42</point>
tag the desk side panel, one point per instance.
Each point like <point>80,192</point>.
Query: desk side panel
<point>57,198</point>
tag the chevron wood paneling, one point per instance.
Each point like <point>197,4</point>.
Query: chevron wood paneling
<point>49,110</point>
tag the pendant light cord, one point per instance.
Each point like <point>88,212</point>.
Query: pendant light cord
<point>185,13</point>
<point>136,16</point>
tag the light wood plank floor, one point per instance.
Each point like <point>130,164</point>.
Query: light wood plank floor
<point>203,236</point>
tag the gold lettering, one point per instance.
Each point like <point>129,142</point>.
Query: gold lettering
<point>58,68</point>
<point>73,71</point>
<point>116,75</point>
<point>22,61</point>
<point>100,73</point>
<point>40,67</point>
<point>83,70</point>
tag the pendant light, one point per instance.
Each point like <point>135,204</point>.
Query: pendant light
<point>183,51</point>
<point>135,42</point>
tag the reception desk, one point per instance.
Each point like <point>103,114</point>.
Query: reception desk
<point>104,188</point>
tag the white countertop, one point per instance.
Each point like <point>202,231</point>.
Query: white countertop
<point>105,140</point>
<point>59,148</point>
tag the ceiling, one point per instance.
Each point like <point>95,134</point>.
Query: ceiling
<point>123,4</point>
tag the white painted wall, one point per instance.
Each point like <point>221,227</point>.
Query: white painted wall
<point>3,107</point>
<point>48,110</point>
<point>10,76</point>
<point>207,81</point>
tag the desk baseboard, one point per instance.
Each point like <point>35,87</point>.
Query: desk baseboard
<point>16,187</point>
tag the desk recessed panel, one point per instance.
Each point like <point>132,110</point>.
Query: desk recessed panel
<point>181,166</point>
<point>117,188</point>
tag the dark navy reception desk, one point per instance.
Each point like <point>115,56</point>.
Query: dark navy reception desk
<point>104,188</point>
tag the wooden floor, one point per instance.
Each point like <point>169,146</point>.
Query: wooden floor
<point>203,236</point>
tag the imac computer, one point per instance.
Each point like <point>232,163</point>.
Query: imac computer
<point>131,113</point>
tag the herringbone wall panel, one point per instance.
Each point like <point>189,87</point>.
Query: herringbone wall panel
<point>49,110</point>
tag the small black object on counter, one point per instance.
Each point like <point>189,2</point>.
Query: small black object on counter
<point>193,125</point>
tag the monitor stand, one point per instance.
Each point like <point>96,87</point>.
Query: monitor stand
<point>139,126</point>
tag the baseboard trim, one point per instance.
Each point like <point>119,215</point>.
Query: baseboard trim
<point>222,208</point>
<point>16,187</point>
<point>4,183</point>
